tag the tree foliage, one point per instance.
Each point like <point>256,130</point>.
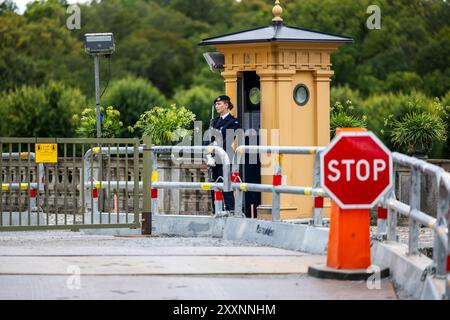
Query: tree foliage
<point>132,96</point>
<point>199,100</point>
<point>7,6</point>
<point>45,111</point>
<point>157,40</point>
<point>157,58</point>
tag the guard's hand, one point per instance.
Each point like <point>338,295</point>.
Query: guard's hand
<point>210,161</point>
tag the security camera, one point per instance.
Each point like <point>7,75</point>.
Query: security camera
<point>215,60</point>
<point>99,43</point>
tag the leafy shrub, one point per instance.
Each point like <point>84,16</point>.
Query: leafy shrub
<point>342,117</point>
<point>378,108</point>
<point>368,85</point>
<point>165,126</point>
<point>345,93</point>
<point>45,111</point>
<point>111,123</point>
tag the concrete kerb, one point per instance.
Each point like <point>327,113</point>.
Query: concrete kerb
<point>408,272</point>
<point>105,220</point>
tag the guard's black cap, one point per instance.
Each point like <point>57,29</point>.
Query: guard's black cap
<point>222,98</point>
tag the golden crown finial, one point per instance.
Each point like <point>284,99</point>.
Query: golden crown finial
<point>277,11</point>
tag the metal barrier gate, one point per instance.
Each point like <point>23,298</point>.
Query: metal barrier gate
<point>232,181</point>
<point>75,192</point>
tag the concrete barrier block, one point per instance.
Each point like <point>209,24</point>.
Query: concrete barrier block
<point>406,271</point>
<point>315,240</point>
<point>183,226</point>
<point>277,234</point>
<point>218,227</point>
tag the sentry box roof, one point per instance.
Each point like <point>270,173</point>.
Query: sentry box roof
<point>99,43</point>
<point>276,32</point>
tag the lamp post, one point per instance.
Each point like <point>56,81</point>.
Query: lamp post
<point>97,95</point>
<point>97,44</point>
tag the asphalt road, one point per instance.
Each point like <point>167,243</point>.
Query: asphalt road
<point>65,265</point>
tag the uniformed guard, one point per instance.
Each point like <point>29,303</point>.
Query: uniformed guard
<point>222,134</point>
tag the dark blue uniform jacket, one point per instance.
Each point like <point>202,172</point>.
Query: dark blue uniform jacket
<point>219,127</point>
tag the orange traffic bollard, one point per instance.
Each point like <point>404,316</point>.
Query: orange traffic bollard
<point>349,240</point>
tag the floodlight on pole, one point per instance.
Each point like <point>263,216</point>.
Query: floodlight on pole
<point>97,44</point>
<point>215,60</point>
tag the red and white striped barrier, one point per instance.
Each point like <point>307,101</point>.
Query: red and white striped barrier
<point>218,202</point>
<point>382,221</point>
<point>94,201</point>
<point>33,195</point>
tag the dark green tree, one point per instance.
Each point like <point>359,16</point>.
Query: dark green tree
<point>132,97</point>
<point>198,99</point>
<point>7,6</point>
<point>45,111</point>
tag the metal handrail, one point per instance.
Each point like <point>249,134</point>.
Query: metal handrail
<point>420,217</point>
<point>277,190</point>
<point>229,185</point>
<point>24,156</point>
<point>439,225</point>
<point>223,157</point>
<point>242,150</point>
<point>104,151</point>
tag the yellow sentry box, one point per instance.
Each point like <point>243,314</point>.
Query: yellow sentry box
<point>46,153</point>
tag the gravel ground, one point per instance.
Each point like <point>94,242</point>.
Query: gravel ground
<point>425,236</point>
<point>57,237</point>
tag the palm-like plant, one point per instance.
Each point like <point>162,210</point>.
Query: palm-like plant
<point>418,131</point>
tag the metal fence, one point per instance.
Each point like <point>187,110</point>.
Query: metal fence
<point>440,225</point>
<point>232,181</point>
<point>68,194</point>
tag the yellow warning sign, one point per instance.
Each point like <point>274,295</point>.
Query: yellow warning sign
<point>46,153</point>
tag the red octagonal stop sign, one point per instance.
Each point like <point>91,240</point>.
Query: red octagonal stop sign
<point>356,170</point>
